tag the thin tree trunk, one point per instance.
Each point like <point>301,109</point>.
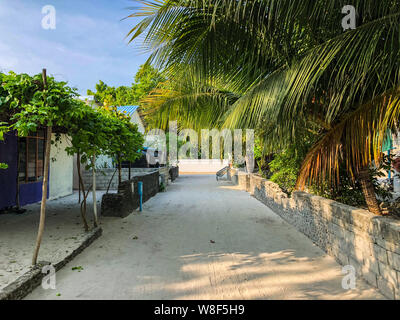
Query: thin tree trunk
<point>96,222</point>
<point>369,192</point>
<point>119,170</point>
<point>44,196</point>
<point>109,183</point>
<point>83,211</point>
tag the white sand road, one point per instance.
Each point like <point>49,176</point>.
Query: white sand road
<point>203,239</point>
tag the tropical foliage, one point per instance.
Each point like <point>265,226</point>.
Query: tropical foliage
<point>26,105</point>
<point>146,79</point>
<point>283,67</point>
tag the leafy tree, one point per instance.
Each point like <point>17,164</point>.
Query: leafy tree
<point>103,132</point>
<point>293,68</point>
<point>146,79</point>
<point>28,103</point>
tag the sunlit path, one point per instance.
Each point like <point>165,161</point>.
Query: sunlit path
<point>202,240</point>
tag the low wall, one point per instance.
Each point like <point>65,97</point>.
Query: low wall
<point>353,236</point>
<point>164,175</point>
<point>174,173</point>
<point>103,176</point>
<point>127,199</point>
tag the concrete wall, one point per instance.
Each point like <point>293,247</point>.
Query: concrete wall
<point>103,176</point>
<point>201,166</point>
<point>61,170</point>
<point>127,199</point>
<point>353,236</point>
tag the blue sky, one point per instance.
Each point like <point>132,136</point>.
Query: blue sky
<point>87,45</point>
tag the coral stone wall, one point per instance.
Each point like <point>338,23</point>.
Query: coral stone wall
<point>353,236</point>
<point>124,202</point>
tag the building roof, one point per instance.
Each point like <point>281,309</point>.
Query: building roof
<point>128,109</point>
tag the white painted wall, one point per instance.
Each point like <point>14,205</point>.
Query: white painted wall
<point>201,166</point>
<point>61,170</point>
<point>136,119</point>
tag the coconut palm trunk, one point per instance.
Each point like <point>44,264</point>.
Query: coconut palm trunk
<point>369,192</point>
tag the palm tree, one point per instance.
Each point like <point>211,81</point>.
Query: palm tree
<point>293,67</point>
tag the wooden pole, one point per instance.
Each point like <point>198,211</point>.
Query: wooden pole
<point>44,185</point>
<point>96,222</point>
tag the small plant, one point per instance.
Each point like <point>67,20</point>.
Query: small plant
<point>162,187</point>
<point>286,165</point>
<point>79,269</point>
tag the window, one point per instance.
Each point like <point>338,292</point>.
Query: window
<point>31,157</point>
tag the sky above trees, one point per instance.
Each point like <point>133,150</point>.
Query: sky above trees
<point>88,43</point>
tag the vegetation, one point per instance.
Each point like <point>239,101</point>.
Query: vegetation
<point>147,79</point>
<point>283,68</point>
<point>28,103</point>
<point>285,167</point>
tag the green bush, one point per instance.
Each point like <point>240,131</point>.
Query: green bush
<point>286,165</point>
<point>285,169</point>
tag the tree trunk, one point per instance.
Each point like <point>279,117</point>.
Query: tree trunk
<point>44,196</point>
<point>119,170</point>
<point>109,183</point>
<point>369,192</point>
<point>83,211</point>
<point>96,222</point>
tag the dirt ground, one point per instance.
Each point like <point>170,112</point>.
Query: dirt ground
<point>202,239</point>
<point>18,235</point>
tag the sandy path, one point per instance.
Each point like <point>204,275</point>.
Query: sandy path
<point>256,255</point>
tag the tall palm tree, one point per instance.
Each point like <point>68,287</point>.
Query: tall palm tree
<point>292,66</point>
